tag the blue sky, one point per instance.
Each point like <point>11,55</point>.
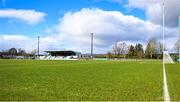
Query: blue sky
<point>54,10</point>
<point>60,22</point>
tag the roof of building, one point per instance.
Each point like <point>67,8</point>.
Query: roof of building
<point>62,51</point>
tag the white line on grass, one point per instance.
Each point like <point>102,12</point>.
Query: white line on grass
<point>166,92</point>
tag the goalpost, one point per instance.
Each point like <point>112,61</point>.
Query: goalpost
<point>166,56</point>
<point>179,38</point>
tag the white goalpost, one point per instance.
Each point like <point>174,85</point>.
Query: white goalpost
<point>166,56</point>
<point>179,38</point>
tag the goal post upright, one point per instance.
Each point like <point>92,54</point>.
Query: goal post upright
<point>163,30</point>
<point>179,37</point>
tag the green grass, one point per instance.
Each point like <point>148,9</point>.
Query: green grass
<point>173,75</point>
<point>81,80</point>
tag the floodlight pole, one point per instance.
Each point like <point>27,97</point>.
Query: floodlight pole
<point>116,47</point>
<point>92,45</point>
<point>38,45</point>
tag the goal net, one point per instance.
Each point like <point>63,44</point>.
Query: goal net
<point>167,58</point>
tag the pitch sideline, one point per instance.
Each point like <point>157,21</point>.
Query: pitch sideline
<point>166,92</point>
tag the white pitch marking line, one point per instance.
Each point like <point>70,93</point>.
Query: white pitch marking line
<point>166,92</point>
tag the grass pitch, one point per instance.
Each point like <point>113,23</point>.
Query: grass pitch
<point>81,80</point>
<point>173,75</point>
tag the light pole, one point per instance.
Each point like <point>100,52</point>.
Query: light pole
<point>92,45</point>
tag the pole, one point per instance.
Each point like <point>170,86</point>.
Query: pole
<point>166,93</point>
<point>38,45</point>
<point>163,21</point>
<point>116,48</point>
<point>92,45</point>
<point>179,37</point>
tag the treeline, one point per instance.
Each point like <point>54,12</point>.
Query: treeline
<point>13,53</point>
<point>153,50</point>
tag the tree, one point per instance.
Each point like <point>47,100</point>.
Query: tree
<point>33,52</point>
<point>114,49</point>
<point>21,52</point>
<point>109,55</point>
<point>120,49</point>
<point>151,48</point>
<point>12,52</point>
<point>131,52</point>
<point>139,51</point>
<point>176,46</point>
<point>159,50</point>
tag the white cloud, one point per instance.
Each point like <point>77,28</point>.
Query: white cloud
<point>142,4</point>
<point>74,28</point>
<point>29,16</point>
<point>13,37</point>
<point>153,10</point>
<point>28,43</point>
<point>108,27</point>
<point>17,41</point>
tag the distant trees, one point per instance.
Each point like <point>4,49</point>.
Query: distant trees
<point>139,51</point>
<point>12,52</point>
<point>21,52</point>
<point>33,52</point>
<point>176,46</point>
<point>109,55</point>
<point>136,51</point>
<point>120,49</point>
<point>159,49</point>
<point>131,52</point>
<point>153,49</point>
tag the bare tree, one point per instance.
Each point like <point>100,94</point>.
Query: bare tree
<point>176,46</point>
<point>21,52</point>
<point>114,49</point>
<point>159,48</point>
<point>120,48</point>
<point>151,48</point>
<point>33,52</point>
<point>109,55</point>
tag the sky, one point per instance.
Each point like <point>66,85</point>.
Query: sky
<point>67,24</point>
